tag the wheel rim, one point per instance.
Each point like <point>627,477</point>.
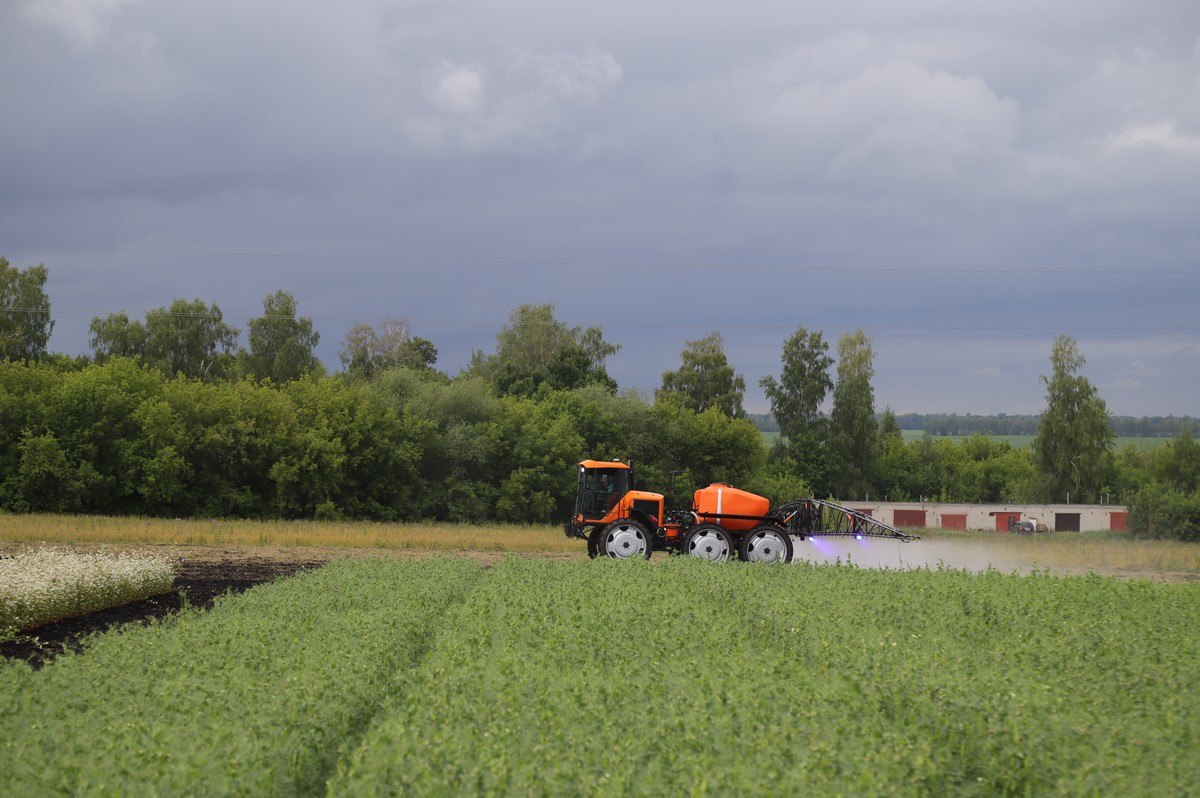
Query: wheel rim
<point>625,541</point>
<point>708,544</point>
<point>766,546</point>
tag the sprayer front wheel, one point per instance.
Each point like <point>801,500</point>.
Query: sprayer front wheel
<point>766,543</point>
<point>708,542</point>
<point>624,539</point>
<point>593,541</point>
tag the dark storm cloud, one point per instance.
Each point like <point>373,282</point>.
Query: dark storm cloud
<point>964,181</point>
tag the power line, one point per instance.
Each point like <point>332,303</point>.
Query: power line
<point>1058,326</point>
<point>756,207</point>
<point>643,265</point>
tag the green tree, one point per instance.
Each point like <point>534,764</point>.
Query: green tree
<point>541,444</point>
<point>534,348</point>
<point>532,337</point>
<point>368,352</point>
<point>803,385</point>
<point>1073,445</point>
<point>25,323</point>
<point>1178,463</point>
<point>189,338</point>
<point>1160,511</point>
<point>281,345</point>
<point>704,379</point>
<point>355,455</point>
<point>116,336</point>
<point>78,434</point>
<point>854,434</point>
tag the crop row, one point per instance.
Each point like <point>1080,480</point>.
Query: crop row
<point>45,585</point>
<point>594,678</point>
<point>633,678</point>
<point>256,697</point>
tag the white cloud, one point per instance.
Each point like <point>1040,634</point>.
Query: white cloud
<point>81,22</point>
<point>456,89</point>
<point>1162,135</point>
<point>568,77</point>
<point>844,116</point>
<point>520,99</point>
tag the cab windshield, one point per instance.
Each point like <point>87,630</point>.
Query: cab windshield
<point>600,488</point>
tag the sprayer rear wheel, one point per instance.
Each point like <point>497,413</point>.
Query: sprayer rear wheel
<point>766,543</point>
<point>709,542</point>
<point>625,539</point>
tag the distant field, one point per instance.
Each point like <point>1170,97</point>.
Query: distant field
<point>1019,441</point>
<point>40,529</point>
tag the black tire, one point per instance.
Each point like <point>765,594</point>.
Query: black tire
<point>766,543</point>
<point>624,539</point>
<point>709,542</point>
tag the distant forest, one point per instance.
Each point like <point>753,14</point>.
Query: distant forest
<point>970,424</point>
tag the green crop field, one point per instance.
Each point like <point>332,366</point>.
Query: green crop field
<point>539,677</point>
<point>1142,444</point>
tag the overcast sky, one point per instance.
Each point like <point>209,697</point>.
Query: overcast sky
<point>965,181</point>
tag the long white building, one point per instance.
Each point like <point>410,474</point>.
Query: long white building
<point>995,517</point>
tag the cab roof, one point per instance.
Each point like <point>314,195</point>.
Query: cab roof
<point>601,464</point>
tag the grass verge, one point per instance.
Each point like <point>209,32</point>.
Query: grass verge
<point>340,534</point>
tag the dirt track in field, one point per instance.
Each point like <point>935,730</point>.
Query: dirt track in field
<point>205,572</point>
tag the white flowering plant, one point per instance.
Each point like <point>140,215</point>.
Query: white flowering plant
<point>45,585</point>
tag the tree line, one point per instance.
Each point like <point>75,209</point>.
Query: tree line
<point>168,416</point>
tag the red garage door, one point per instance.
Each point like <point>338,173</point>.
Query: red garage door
<point>909,518</point>
<point>1117,522</point>
<point>1002,520</point>
<point>954,521</point>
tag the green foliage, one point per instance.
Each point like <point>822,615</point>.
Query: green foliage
<point>25,322</point>
<point>281,345</point>
<point>257,697</point>
<point>368,352</point>
<point>803,384</point>
<point>120,438</point>
<point>186,338</point>
<point>76,439</point>
<point>584,678</point>
<point>116,336</point>
<point>854,431</point>
<point>1073,444</point>
<point>190,339</point>
<point>535,349</point>
<point>1178,463</point>
<point>536,677</point>
<point>351,452</point>
<point>704,379</point>
<point>45,481</point>
<point>975,469</point>
<point>1164,512</point>
<point>778,483</point>
<point>1169,506</point>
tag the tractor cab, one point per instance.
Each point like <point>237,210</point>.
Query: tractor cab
<point>601,486</point>
<point>615,518</point>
